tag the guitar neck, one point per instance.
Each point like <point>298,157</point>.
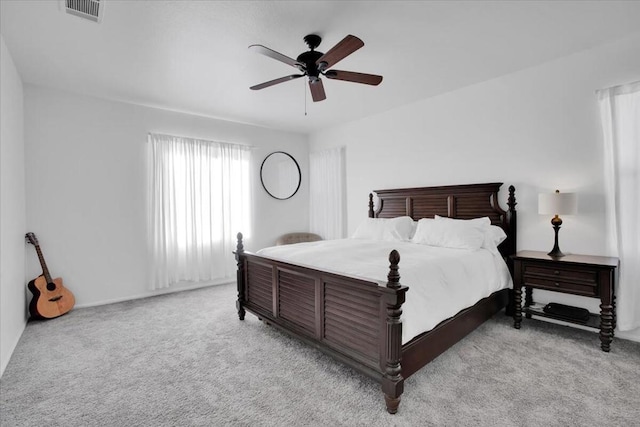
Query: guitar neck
<point>43,264</point>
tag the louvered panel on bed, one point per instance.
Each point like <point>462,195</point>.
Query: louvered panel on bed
<point>458,201</point>
<point>351,319</point>
<point>394,208</point>
<point>296,300</point>
<point>428,207</point>
<point>474,206</point>
<point>260,288</point>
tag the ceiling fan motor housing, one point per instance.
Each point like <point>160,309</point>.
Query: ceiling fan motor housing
<point>309,60</point>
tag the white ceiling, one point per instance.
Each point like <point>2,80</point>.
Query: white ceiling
<point>192,56</point>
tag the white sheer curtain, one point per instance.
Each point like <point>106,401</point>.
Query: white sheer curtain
<point>327,193</point>
<point>620,114</point>
<point>198,199</point>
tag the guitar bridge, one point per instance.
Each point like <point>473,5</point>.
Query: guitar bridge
<point>56,298</point>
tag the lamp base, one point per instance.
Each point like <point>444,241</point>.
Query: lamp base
<point>556,252</point>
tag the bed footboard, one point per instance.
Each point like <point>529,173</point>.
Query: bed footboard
<point>354,320</point>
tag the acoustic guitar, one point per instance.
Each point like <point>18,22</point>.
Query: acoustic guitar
<point>50,298</point>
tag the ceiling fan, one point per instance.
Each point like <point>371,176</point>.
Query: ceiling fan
<point>314,64</point>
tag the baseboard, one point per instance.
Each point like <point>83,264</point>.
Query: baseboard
<point>11,349</point>
<point>633,335</point>
<point>170,290</point>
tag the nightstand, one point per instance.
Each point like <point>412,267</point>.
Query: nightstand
<point>585,275</point>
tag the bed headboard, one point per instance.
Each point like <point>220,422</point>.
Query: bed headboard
<point>453,201</point>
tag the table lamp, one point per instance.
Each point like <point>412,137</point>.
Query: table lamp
<point>557,204</point>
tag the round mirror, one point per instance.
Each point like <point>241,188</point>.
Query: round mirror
<point>280,175</point>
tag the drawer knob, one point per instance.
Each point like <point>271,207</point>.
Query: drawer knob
<point>556,272</point>
<point>557,284</point>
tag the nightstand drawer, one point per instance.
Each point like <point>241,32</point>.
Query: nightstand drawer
<point>585,276</point>
<point>572,287</point>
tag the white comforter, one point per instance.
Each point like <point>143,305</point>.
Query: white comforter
<point>441,281</point>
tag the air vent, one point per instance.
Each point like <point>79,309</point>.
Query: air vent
<point>87,9</point>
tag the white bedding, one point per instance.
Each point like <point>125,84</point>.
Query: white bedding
<point>441,281</point>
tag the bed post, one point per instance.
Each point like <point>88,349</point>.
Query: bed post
<point>512,218</point>
<point>240,277</point>
<point>392,380</point>
<point>512,221</point>
<point>371,214</point>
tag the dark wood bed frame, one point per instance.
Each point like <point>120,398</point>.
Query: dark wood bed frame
<point>358,321</point>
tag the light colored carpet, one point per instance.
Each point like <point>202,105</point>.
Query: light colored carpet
<point>186,359</point>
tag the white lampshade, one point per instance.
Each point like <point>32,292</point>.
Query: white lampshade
<point>558,203</point>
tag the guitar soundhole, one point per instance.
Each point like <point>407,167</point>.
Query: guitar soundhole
<point>51,286</point>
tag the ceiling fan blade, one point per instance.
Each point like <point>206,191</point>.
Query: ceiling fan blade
<point>275,55</point>
<point>317,90</point>
<point>276,81</point>
<point>344,48</point>
<point>350,76</point>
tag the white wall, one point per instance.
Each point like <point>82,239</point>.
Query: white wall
<point>537,129</point>
<point>13,312</point>
<point>86,187</point>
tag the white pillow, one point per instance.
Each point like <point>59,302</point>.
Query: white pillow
<point>493,234</point>
<point>414,227</point>
<point>423,229</point>
<point>399,229</point>
<point>389,229</point>
<point>370,228</point>
<point>480,222</point>
<point>450,233</point>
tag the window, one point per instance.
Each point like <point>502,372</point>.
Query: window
<point>199,199</point>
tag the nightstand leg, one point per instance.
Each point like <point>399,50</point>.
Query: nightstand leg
<point>528,300</point>
<point>606,330</point>
<point>517,307</point>
<point>607,315</point>
<point>615,316</point>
